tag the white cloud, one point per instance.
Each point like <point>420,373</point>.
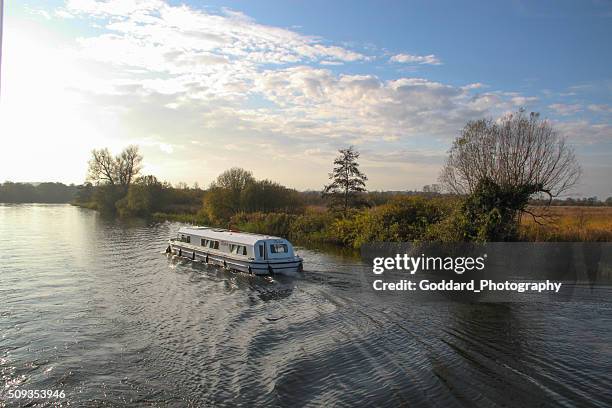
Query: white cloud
<point>600,108</point>
<point>565,109</point>
<point>43,13</point>
<point>314,102</point>
<point>331,63</point>
<point>475,85</point>
<point>63,14</point>
<point>416,59</point>
<point>582,132</point>
<point>189,33</point>
<point>166,148</point>
<point>520,101</point>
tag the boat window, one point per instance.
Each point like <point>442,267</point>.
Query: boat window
<point>213,244</point>
<point>279,248</point>
<point>204,242</point>
<point>185,238</point>
<point>238,249</point>
<point>261,251</point>
<point>188,239</point>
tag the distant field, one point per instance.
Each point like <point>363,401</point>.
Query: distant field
<point>566,223</point>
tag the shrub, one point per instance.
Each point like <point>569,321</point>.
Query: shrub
<point>401,219</point>
<point>105,196</point>
<point>312,226</point>
<point>263,223</point>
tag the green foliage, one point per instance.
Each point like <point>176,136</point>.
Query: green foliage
<point>182,199</point>
<point>39,193</point>
<point>452,227</point>
<point>489,213</point>
<point>219,204</point>
<point>234,179</point>
<point>223,198</point>
<point>230,184</point>
<point>105,197</point>
<point>236,191</point>
<point>84,194</point>
<point>278,224</point>
<point>312,226</point>
<point>144,197</point>
<point>268,196</point>
<point>347,180</point>
<point>401,219</point>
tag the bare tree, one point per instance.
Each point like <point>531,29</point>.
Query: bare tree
<point>347,179</point>
<point>128,165</point>
<point>102,167</point>
<point>514,152</point>
<point>120,170</point>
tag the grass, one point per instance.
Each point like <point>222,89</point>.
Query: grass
<point>569,224</point>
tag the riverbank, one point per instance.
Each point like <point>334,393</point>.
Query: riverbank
<point>236,200</point>
<point>320,227</point>
<point>402,219</point>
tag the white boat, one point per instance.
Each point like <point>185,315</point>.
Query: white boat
<point>239,251</point>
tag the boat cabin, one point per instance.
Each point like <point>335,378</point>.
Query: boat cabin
<point>236,244</point>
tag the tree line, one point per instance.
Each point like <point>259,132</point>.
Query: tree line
<point>37,193</point>
<point>494,173</point>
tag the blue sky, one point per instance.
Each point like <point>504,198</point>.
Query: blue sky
<point>507,44</point>
<point>202,86</point>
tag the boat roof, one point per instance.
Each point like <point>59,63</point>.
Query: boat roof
<point>226,235</point>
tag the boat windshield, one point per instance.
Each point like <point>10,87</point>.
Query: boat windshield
<point>279,248</point>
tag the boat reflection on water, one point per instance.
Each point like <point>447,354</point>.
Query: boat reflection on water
<point>268,287</point>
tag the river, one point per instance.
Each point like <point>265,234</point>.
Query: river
<point>92,307</point>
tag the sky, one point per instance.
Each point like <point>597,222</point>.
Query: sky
<point>278,87</point>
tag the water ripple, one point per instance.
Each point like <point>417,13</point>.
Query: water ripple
<point>92,306</point>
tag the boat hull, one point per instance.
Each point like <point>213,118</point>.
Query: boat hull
<point>272,266</point>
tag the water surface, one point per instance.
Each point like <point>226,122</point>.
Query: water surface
<point>92,307</point>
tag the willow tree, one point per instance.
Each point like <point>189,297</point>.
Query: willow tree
<point>347,179</point>
<point>501,164</point>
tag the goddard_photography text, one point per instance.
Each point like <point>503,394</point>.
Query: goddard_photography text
<point>459,265</point>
